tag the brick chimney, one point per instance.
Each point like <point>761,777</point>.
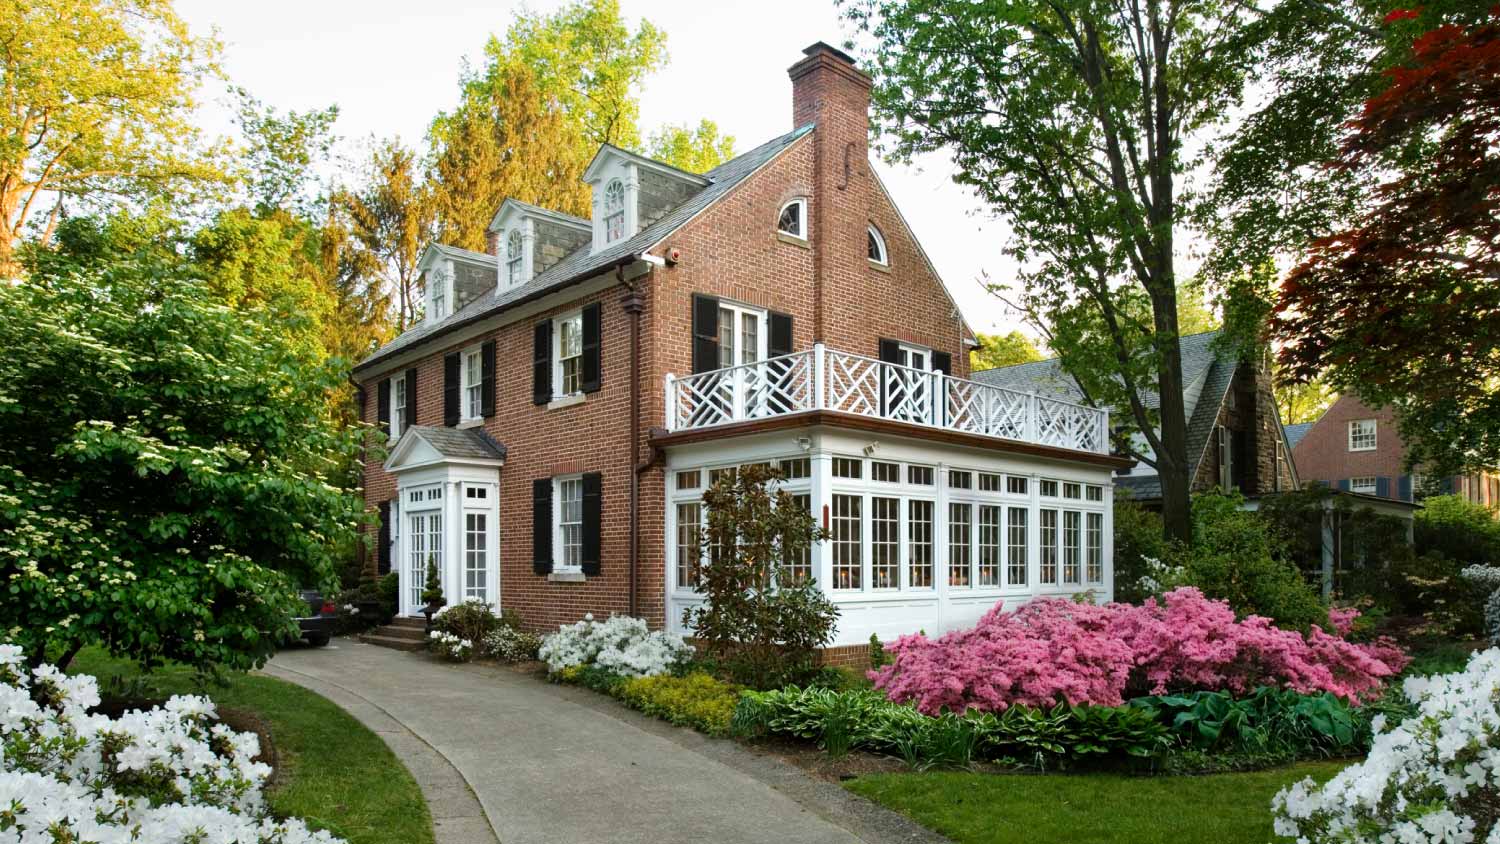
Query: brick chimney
<point>830,92</point>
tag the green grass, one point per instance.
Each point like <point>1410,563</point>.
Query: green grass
<point>974,808</point>
<point>332,771</point>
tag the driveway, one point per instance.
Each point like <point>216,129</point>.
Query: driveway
<point>557,764</point>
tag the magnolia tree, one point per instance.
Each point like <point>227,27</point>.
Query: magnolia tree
<point>170,471</point>
<point>1434,777</point>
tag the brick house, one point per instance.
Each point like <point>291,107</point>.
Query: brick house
<point>1358,449</point>
<point>555,419</point>
<point>1234,436</point>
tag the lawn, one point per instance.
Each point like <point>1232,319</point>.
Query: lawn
<point>332,771</point>
<point>1064,809</point>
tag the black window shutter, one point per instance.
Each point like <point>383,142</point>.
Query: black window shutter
<point>541,525</point>
<point>590,376</point>
<point>593,521</point>
<point>383,405</point>
<point>450,389</point>
<point>705,333</point>
<point>942,362</point>
<point>890,352</point>
<point>541,363</point>
<point>487,379</point>
<point>383,540</point>
<point>411,400</point>
<point>1383,487</point>
<point>779,341</point>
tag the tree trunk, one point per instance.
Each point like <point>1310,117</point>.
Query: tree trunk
<point>1172,465</point>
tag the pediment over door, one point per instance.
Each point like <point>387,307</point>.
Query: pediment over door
<point>425,446</point>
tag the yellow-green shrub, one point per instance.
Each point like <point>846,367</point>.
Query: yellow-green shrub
<point>697,700</point>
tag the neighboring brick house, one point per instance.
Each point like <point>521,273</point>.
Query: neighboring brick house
<point>1356,448</point>
<point>1234,434</point>
<point>556,417</point>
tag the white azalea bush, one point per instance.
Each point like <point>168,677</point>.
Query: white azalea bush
<point>1487,577</point>
<point>508,644</point>
<point>450,647</point>
<point>165,776</point>
<point>1434,778</point>
<point>622,645</point>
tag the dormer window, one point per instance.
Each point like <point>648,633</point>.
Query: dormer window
<point>876,248</point>
<point>513,257</point>
<point>793,219</point>
<point>437,294</point>
<point>614,211</point>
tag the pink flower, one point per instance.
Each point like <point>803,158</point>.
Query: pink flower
<point>1052,650</point>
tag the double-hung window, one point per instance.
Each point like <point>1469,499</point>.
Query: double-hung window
<point>742,334</point>
<point>848,556</point>
<point>1367,485</point>
<point>614,211</point>
<point>567,333</point>
<point>514,249</point>
<point>1072,540</point>
<point>569,523</point>
<point>1362,435</point>
<point>398,406</point>
<point>689,543</point>
<point>473,385</point>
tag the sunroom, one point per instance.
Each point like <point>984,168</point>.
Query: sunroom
<point>941,496</point>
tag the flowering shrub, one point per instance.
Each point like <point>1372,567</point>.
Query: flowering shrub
<point>168,775</point>
<point>1488,578</point>
<point>450,647</point>
<point>1435,777</point>
<point>508,644</point>
<point>1052,650</point>
<point>622,645</point>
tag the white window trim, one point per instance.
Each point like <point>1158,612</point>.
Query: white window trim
<point>885,256</point>
<point>802,218</point>
<point>464,384</point>
<point>515,265</point>
<point>440,275</point>
<point>557,359</point>
<point>913,350</point>
<point>620,212</point>
<point>1356,485</point>
<point>762,331</point>
<point>398,409</point>
<point>559,566</point>
<point>1374,435</point>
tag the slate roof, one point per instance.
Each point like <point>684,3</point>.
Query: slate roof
<point>1207,373</point>
<point>584,262</point>
<point>470,443</point>
<point>1295,433</point>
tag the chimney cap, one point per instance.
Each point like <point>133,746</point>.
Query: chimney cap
<point>824,47</point>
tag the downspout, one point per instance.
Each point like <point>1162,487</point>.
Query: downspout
<point>633,306</point>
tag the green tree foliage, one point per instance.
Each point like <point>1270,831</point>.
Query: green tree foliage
<point>98,105</point>
<point>1458,529</point>
<point>1076,122</point>
<point>169,469</point>
<point>1304,401</point>
<point>997,350</point>
<point>530,120</point>
<point>762,625</point>
<point>696,150</point>
<point>282,150</point>
<point>1140,547</point>
<point>390,219</point>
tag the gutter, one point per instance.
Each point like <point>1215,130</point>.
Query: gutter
<point>633,306</point>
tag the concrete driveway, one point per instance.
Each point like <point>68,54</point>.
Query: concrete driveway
<point>557,764</point>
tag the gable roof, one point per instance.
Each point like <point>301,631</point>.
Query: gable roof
<point>459,444</point>
<point>530,210</point>
<point>1207,374</point>
<point>1295,433</point>
<point>607,151</point>
<point>585,262</point>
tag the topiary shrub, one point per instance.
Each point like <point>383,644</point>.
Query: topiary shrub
<point>471,620</point>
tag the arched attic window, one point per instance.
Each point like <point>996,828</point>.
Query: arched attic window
<point>614,211</point>
<point>793,219</point>
<point>513,262</point>
<point>876,248</point>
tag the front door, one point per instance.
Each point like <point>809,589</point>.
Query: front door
<point>908,390</point>
<point>424,547</point>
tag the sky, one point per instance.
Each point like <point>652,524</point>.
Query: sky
<point>390,66</point>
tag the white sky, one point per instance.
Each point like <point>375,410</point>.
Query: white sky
<point>390,70</point>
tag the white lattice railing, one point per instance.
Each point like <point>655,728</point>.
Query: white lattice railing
<point>824,379</point>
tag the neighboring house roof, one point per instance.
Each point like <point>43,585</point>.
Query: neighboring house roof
<point>460,443</point>
<point>1207,374</point>
<point>586,262</point>
<point>1295,433</point>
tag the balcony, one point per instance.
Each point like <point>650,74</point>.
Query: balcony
<point>821,379</point>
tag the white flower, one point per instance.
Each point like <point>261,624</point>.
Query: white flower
<point>621,644</point>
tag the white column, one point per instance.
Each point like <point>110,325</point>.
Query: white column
<point>1034,540</point>
<point>940,545</point>
<point>632,200</point>
<point>1109,540</point>
<point>822,500</point>
<point>453,542</point>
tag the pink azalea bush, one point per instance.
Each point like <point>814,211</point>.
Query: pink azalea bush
<point>1053,650</point>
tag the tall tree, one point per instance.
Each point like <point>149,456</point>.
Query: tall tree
<point>1305,401</point>
<point>696,150</point>
<point>390,217</point>
<point>98,103</point>
<point>282,151</point>
<point>529,121</point>
<point>997,350</point>
<point>1403,305</point>
<point>1077,121</point>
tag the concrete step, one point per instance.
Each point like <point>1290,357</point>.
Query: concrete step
<point>391,642</point>
<point>401,621</point>
<point>413,634</point>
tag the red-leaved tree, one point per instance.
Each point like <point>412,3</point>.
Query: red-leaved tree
<point>1404,305</point>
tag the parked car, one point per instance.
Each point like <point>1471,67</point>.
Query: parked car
<point>318,625</point>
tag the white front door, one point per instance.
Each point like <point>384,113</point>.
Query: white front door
<point>424,544</point>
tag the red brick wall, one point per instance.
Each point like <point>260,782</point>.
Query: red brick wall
<point>1323,452</point>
